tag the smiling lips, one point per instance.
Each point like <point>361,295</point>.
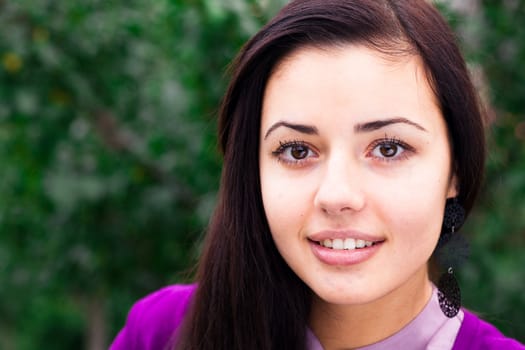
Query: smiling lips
<point>346,244</point>
<point>341,249</point>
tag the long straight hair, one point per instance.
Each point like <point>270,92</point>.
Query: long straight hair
<point>247,296</point>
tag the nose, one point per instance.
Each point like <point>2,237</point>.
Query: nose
<point>340,188</point>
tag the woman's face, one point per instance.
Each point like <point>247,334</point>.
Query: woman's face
<point>355,168</point>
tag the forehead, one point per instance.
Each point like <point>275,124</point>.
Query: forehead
<point>310,56</point>
<point>349,80</point>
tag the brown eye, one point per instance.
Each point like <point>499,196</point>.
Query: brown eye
<point>388,150</point>
<point>295,154</point>
<point>299,151</point>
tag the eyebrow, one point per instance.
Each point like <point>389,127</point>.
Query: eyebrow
<point>305,129</point>
<point>378,124</point>
<point>359,128</point>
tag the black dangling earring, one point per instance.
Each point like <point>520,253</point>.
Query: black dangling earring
<point>449,294</point>
<point>451,251</point>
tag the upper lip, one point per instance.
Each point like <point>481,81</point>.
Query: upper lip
<point>343,234</point>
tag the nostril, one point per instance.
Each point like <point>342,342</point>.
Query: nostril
<point>335,210</point>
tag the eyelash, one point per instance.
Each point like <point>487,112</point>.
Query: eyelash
<point>389,141</point>
<point>285,146</point>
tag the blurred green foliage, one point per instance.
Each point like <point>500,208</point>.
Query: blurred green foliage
<point>109,165</point>
<point>108,150</point>
<point>494,277</point>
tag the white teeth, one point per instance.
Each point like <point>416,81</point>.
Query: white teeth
<point>337,244</point>
<point>347,244</point>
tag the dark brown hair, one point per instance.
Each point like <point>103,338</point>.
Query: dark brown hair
<point>247,296</point>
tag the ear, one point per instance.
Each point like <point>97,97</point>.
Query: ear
<point>453,187</point>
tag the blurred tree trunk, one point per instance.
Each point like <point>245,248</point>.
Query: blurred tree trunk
<point>96,328</point>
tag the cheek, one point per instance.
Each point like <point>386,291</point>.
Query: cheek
<point>413,194</point>
<point>283,206</point>
<point>418,227</point>
<point>286,201</point>
<point>413,210</point>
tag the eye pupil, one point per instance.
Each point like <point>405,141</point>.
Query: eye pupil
<point>388,150</point>
<point>299,152</point>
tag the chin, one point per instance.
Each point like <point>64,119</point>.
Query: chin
<point>344,295</point>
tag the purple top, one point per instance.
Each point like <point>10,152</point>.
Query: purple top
<point>153,320</point>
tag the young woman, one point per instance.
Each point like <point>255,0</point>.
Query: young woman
<point>353,143</point>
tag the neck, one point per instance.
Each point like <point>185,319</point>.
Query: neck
<point>353,326</point>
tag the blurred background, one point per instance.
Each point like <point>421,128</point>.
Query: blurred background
<point>109,168</point>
